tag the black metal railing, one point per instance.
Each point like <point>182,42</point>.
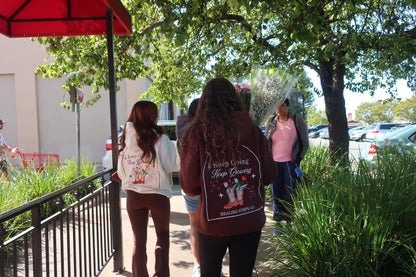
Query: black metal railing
<point>78,239</point>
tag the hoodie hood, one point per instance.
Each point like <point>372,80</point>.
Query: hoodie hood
<point>182,123</point>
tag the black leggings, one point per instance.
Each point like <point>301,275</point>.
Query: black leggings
<point>242,250</point>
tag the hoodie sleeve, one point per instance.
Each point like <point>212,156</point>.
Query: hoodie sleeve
<point>168,155</point>
<point>190,173</point>
<point>268,166</point>
<point>303,133</point>
<point>120,169</point>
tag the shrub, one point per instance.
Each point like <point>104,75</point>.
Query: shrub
<point>26,185</point>
<point>351,223</point>
<point>170,131</point>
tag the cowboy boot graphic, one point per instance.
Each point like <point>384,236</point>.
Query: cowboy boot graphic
<point>230,192</point>
<point>239,192</point>
<point>136,173</point>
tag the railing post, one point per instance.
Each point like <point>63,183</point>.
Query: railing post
<point>37,241</point>
<point>115,212</point>
<point>114,187</point>
<point>3,233</point>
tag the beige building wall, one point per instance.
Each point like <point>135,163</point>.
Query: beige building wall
<point>30,104</point>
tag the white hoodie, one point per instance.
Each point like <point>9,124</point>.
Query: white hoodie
<point>142,177</point>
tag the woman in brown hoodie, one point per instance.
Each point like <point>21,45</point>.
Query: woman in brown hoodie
<point>226,160</point>
<point>191,203</point>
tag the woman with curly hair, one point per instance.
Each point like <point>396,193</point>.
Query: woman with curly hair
<point>146,159</point>
<point>226,160</point>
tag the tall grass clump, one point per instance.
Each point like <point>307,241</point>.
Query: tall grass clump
<point>28,184</point>
<point>352,223</point>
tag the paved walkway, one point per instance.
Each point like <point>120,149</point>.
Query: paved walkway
<point>181,262</point>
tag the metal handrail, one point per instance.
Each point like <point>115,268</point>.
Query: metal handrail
<point>48,197</point>
<point>95,214</point>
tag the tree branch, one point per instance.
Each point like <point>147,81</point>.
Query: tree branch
<point>311,66</point>
<point>243,22</point>
<point>151,28</point>
<point>411,33</point>
<point>239,19</point>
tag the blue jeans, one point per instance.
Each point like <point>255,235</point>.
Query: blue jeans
<point>283,189</point>
<point>191,203</point>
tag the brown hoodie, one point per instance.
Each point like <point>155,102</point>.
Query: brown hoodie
<point>232,192</point>
<point>182,123</point>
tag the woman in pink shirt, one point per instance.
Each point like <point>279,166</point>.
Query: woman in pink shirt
<point>287,135</point>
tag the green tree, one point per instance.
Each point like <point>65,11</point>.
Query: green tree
<point>406,109</point>
<point>316,117</point>
<point>301,97</point>
<point>382,111</point>
<point>356,45</point>
<point>363,112</point>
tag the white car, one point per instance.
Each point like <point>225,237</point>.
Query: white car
<point>107,160</point>
<point>358,133</point>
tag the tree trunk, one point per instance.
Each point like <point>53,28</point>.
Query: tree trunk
<point>332,82</point>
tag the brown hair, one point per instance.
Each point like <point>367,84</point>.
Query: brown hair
<point>144,116</point>
<point>214,120</point>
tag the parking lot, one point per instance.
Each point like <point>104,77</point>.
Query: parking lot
<point>355,146</point>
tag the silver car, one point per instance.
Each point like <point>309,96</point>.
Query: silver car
<point>379,130</point>
<point>358,133</point>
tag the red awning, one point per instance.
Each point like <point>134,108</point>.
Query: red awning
<point>40,18</point>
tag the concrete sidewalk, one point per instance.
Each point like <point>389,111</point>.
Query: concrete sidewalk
<point>181,261</point>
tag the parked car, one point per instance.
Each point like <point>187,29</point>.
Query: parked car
<point>324,133</point>
<point>107,160</point>
<point>314,134</point>
<point>379,130</point>
<point>315,128</point>
<point>404,136</point>
<point>321,132</point>
<point>358,133</point>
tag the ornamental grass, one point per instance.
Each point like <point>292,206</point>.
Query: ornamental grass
<point>347,222</point>
<point>28,184</point>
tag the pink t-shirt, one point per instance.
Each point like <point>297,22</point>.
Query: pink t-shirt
<point>283,140</point>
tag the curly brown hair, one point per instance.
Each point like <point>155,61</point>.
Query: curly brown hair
<point>144,115</point>
<point>214,120</point>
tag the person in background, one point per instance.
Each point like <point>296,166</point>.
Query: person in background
<point>3,146</point>
<point>226,160</point>
<point>146,159</point>
<point>191,203</point>
<point>287,135</point>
